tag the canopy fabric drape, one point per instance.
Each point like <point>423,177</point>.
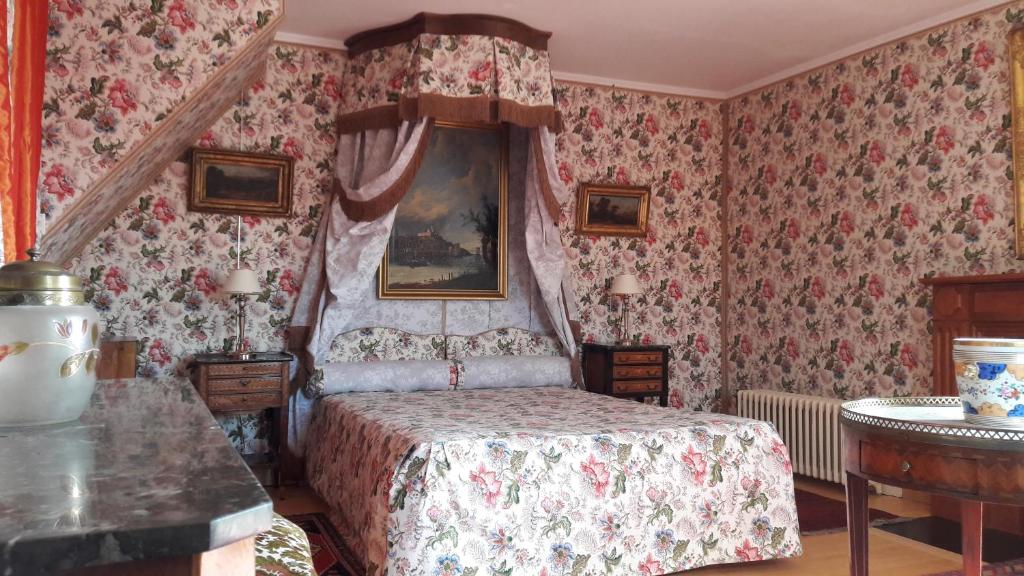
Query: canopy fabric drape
<point>398,82</point>
<point>458,68</point>
<point>374,171</point>
<point>21,112</point>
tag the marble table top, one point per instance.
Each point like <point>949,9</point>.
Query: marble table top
<point>145,473</point>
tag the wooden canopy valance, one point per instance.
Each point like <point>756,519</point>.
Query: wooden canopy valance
<point>456,67</point>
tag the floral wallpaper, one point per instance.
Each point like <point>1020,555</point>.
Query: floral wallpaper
<point>114,71</point>
<point>852,182</point>
<point>674,146</point>
<point>155,271</point>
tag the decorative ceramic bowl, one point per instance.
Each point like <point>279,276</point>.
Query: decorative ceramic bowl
<point>49,345</point>
<point>990,378</point>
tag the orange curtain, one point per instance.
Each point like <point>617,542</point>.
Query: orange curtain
<point>21,104</point>
<point>6,165</point>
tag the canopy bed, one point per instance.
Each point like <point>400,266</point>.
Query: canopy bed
<point>450,436</point>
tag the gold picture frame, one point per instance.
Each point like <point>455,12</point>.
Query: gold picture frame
<point>442,248</point>
<point>613,210</point>
<point>234,182</point>
<point>1016,42</point>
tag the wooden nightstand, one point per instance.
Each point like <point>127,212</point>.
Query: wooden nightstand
<point>259,382</point>
<point>627,371</point>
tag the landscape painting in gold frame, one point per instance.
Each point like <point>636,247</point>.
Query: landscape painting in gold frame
<point>1017,112</point>
<point>612,210</point>
<point>450,236</point>
<point>236,182</point>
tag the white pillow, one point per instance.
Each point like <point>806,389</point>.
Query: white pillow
<point>516,372</point>
<point>390,376</point>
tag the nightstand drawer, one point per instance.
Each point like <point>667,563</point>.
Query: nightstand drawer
<point>910,466</point>
<point>621,386</point>
<point>255,401</point>
<point>243,369</point>
<point>637,358</point>
<point>243,385</point>
<point>636,371</point>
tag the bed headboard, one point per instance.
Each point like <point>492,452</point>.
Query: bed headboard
<point>385,344</point>
<point>390,344</point>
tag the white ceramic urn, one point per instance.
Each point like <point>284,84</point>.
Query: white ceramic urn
<point>49,344</point>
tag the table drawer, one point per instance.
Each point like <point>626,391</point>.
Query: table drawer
<point>254,401</point>
<point>636,371</point>
<point>637,357</point>
<point>248,369</point>
<point>620,386</point>
<point>909,466</point>
<point>242,385</point>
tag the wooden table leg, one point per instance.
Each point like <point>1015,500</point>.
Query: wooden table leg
<point>857,523</point>
<point>970,536</point>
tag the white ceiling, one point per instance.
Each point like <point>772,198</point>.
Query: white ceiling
<point>710,48</point>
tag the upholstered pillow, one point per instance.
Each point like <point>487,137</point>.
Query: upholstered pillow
<point>502,342</point>
<point>515,372</point>
<point>383,344</point>
<point>388,376</point>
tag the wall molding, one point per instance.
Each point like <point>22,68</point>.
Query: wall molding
<point>913,29</point>
<point>664,89</point>
<point>311,41</point>
<point>920,27</point>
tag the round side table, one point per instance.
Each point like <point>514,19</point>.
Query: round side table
<point>925,444</point>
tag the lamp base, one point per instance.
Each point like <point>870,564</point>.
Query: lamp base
<point>241,354</point>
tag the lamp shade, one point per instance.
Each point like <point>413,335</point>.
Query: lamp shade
<point>626,284</point>
<point>242,281</point>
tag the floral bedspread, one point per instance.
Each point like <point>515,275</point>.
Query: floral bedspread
<point>547,481</point>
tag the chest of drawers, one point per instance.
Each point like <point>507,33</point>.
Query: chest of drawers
<point>627,371</point>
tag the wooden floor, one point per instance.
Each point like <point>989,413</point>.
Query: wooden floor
<point>824,555</point>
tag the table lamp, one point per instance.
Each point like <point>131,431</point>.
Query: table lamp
<point>625,285</point>
<point>241,282</point>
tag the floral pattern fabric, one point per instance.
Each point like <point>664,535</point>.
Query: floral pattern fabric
<point>548,480</point>
<point>459,66</point>
<point>283,550</point>
<point>851,183</point>
<point>523,73</point>
<point>673,145</point>
<point>115,69</point>
<point>385,344</point>
<point>502,342</point>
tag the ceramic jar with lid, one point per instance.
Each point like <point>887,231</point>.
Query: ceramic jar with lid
<point>49,344</point>
<point>990,380</point>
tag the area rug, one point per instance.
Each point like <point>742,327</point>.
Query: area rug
<point>1011,568</point>
<point>821,515</point>
<point>329,555</point>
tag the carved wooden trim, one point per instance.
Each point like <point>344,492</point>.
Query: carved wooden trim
<point>985,279</point>
<point>429,23</point>
<point>167,142</point>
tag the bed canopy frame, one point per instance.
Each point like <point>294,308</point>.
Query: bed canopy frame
<point>397,82</point>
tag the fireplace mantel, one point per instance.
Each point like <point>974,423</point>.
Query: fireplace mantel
<point>989,305</point>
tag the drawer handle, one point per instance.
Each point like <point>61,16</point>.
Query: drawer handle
<point>905,467</point>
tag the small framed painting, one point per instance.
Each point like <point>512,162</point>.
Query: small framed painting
<point>612,210</point>
<point>231,182</point>
<point>450,237</point>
